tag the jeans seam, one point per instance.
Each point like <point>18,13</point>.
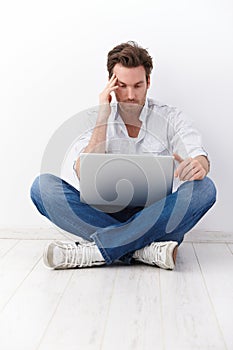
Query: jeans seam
<point>102,249</point>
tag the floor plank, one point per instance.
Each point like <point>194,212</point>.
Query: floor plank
<point>6,245</point>
<point>230,246</point>
<point>36,233</point>
<point>216,262</point>
<point>80,318</point>
<point>198,236</point>
<point>25,318</point>
<point>134,321</point>
<point>16,265</point>
<point>188,319</point>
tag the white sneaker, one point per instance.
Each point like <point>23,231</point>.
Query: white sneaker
<point>65,255</point>
<point>162,254</point>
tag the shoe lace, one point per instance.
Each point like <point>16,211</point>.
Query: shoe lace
<point>78,255</point>
<point>86,254</point>
<point>154,255</point>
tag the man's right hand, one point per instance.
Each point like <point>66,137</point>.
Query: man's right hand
<point>105,96</point>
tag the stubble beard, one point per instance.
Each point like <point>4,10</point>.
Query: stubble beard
<point>131,109</point>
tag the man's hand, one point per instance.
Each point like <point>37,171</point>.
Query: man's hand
<point>105,98</point>
<point>105,95</point>
<point>191,168</point>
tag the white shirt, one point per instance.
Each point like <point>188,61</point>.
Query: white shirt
<point>164,131</point>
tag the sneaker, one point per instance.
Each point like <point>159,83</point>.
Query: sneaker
<point>162,254</point>
<point>65,255</point>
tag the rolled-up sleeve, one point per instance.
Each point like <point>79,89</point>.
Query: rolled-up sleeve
<point>68,172</point>
<point>184,139</point>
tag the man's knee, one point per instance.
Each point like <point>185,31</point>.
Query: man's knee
<point>206,191</point>
<point>201,193</point>
<point>34,191</point>
<point>41,188</point>
<point>41,183</point>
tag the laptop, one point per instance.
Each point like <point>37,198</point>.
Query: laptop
<point>114,181</point>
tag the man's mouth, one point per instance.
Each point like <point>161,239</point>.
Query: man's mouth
<point>133,102</point>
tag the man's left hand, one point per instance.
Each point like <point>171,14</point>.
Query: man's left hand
<point>191,168</point>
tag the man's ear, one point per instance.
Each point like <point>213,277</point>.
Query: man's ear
<point>148,82</point>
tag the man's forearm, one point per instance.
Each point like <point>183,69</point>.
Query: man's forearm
<point>97,141</point>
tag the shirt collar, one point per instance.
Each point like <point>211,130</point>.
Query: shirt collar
<point>144,111</point>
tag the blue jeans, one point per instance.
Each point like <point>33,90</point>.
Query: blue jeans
<point>119,234</point>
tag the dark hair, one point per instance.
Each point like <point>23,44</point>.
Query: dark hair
<point>129,54</point>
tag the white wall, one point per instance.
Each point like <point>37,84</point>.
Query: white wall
<point>53,65</point>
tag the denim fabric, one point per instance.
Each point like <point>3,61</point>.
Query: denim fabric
<point>118,235</point>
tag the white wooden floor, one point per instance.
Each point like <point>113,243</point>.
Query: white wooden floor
<point>119,307</point>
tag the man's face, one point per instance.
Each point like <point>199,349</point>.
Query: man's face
<point>132,84</point>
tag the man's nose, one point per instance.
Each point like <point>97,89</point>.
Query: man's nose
<point>131,94</point>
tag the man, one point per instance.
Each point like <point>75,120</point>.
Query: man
<point>150,235</point>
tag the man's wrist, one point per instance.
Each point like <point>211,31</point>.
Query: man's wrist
<point>204,162</point>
